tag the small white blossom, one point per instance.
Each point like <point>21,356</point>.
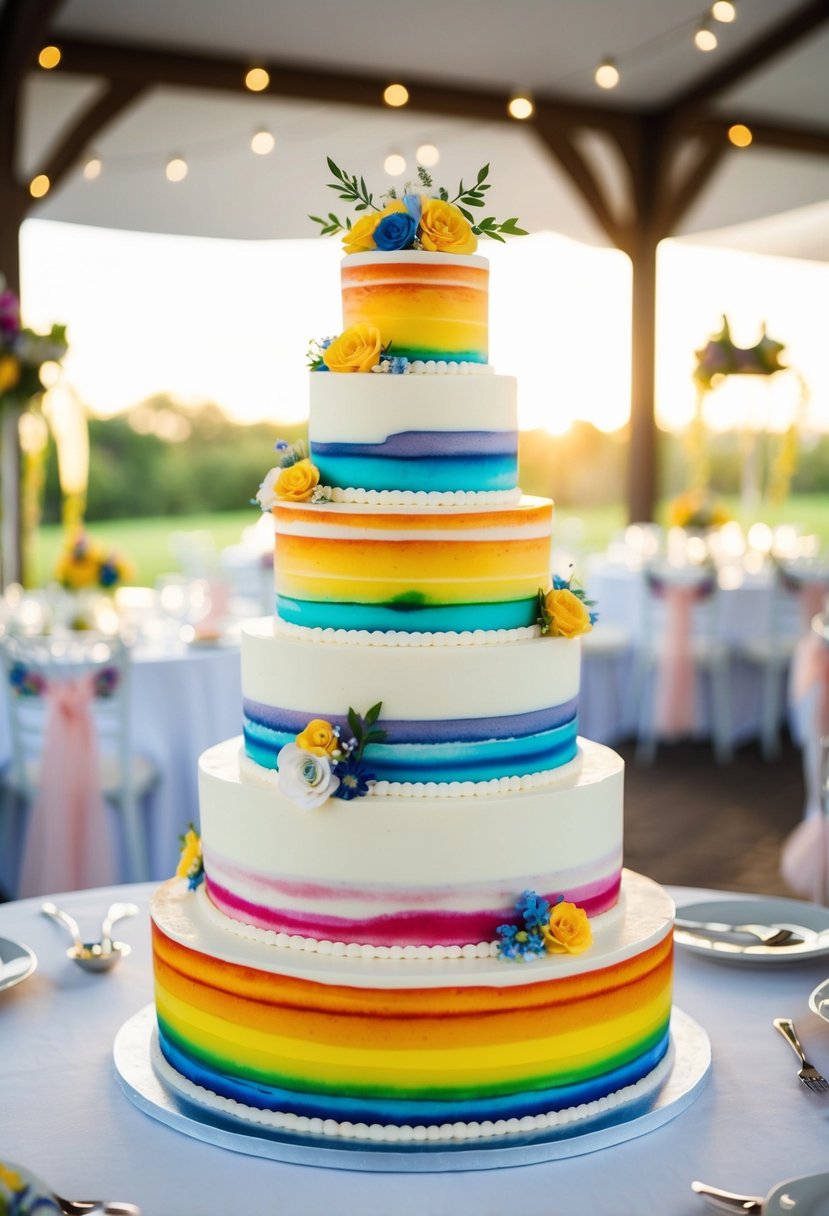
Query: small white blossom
<point>266,494</point>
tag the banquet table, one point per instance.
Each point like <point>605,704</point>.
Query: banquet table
<point>184,698</point>
<point>63,1112</point>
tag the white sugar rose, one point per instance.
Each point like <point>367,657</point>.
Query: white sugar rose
<point>305,778</point>
<point>266,495</point>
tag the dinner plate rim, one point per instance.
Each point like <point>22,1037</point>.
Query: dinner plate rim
<point>22,951</point>
<point>760,909</point>
<point>817,1188</point>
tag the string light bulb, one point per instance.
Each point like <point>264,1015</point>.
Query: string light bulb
<point>92,168</point>
<point>520,106</point>
<point>176,169</point>
<point>257,79</point>
<point>724,11</point>
<point>740,135</point>
<point>705,39</point>
<point>49,57</point>
<point>395,164</point>
<point>427,155</point>
<point>262,142</point>
<point>39,186</point>
<point>606,75</point>
<point>395,95</point>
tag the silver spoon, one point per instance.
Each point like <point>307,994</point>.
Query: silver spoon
<point>115,912</point>
<point>71,1207</point>
<point>727,1201</point>
<point>89,955</point>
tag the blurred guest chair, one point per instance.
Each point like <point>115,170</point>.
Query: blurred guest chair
<point>69,712</point>
<point>679,640</point>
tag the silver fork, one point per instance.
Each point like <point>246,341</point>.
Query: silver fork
<point>808,1074</point>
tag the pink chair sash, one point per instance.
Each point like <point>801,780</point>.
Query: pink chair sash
<point>675,675</point>
<point>69,842</point>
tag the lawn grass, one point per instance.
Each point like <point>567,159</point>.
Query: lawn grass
<point>146,542</point>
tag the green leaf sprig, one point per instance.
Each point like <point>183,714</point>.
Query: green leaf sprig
<point>363,731</point>
<point>354,190</point>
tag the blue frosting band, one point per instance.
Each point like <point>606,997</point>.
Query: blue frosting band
<point>392,1110</point>
<point>410,617</point>
<point>467,750</point>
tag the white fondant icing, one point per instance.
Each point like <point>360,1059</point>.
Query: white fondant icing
<point>368,409</point>
<point>452,851</point>
<point>424,684</point>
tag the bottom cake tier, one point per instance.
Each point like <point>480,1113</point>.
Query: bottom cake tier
<point>446,1049</point>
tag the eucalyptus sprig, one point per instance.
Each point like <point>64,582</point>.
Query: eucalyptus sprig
<point>363,731</point>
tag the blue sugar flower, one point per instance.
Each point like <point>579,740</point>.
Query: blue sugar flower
<point>395,231</point>
<point>515,943</point>
<point>355,779</point>
<point>533,909</point>
<point>413,206</point>
<point>560,584</point>
<point>398,365</point>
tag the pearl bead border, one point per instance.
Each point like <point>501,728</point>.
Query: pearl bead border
<point>357,496</point>
<point>398,637</point>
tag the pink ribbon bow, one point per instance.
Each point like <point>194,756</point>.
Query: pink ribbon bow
<point>69,842</point>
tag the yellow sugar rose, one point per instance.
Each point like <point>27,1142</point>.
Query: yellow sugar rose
<point>444,230</point>
<point>9,372</point>
<point>359,237</point>
<point>11,1178</point>
<point>298,481</point>
<point>568,930</point>
<point>190,853</point>
<point>356,350</point>
<point>569,616</point>
<point>318,738</point>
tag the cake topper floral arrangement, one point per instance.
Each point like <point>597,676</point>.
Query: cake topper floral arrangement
<point>565,611</point>
<point>321,764</point>
<point>425,217</point>
<point>544,928</point>
<point>293,479</point>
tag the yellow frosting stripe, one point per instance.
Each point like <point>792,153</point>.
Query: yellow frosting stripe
<point>319,517</point>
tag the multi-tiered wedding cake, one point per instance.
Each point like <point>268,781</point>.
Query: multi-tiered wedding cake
<point>414,924</point>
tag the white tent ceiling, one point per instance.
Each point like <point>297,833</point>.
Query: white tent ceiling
<point>548,47</point>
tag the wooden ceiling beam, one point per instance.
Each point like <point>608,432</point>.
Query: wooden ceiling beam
<point>762,50</point>
<point>76,141</point>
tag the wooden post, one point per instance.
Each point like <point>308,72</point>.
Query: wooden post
<point>642,464</point>
<point>11,570</point>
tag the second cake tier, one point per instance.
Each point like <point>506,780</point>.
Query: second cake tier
<point>468,714</point>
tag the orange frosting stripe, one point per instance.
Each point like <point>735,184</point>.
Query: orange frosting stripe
<point>432,521</point>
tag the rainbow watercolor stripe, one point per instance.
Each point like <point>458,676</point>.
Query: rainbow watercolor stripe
<point>410,1056</point>
<point>460,749</point>
<point>422,460</point>
<point>427,305</point>
<point>374,915</point>
<point>352,567</point>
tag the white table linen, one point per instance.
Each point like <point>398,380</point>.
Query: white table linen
<point>63,1112</point>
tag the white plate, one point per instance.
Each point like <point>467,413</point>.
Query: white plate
<point>758,912</point>
<point>17,962</point>
<point>803,1196</point>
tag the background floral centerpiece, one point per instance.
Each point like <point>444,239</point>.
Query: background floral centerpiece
<point>86,565</point>
<point>23,352</point>
<point>697,511</point>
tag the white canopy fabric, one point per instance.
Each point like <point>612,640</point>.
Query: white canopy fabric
<point>548,48</point>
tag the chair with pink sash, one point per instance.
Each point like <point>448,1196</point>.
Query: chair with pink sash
<point>783,650</point>
<point>72,764</point>
<point>680,640</point>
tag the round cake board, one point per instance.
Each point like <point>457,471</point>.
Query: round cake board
<point>136,1043</point>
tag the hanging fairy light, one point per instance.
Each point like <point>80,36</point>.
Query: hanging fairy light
<point>705,39</point>
<point>724,11</point>
<point>740,135</point>
<point>92,168</point>
<point>39,186</point>
<point>257,79</point>
<point>395,95</point>
<point>176,169</point>
<point>49,57</point>
<point>395,164</point>
<point>606,75</point>
<point>427,155</point>
<point>520,107</point>
<point>262,142</point>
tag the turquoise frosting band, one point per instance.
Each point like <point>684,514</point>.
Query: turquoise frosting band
<point>439,474</point>
<point>407,616</point>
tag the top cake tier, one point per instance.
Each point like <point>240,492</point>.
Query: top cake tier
<point>427,305</point>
